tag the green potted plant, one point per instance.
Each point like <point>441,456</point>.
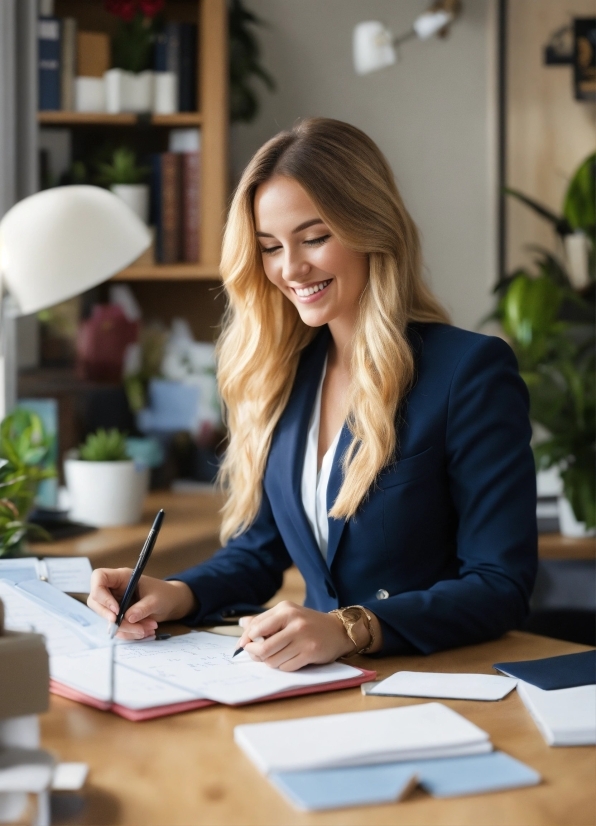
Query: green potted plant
<point>105,486</point>
<point>548,315</point>
<point>127,180</point>
<point>24,448</point>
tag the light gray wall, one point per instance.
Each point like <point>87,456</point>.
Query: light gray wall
<point>432,114</point>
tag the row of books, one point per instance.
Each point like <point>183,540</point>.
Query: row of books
<point>65,53</point>
<point>176,206</point>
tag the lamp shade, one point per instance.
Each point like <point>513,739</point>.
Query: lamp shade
<point>58,243</point>
<point>372,47</point>
<point>431,22</point>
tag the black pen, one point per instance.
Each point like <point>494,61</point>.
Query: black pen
<point>136,574</point>
<point>241,649</point>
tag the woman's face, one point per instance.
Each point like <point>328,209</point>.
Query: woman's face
<point>301,256</point>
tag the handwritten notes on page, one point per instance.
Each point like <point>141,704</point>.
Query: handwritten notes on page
<point>90,673</point>
<point>202,662</point>
<point>22,614</point>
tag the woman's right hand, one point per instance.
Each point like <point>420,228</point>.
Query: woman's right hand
<point>158,601</point>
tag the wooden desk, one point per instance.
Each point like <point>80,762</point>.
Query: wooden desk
<point>186,769</point>
<point>189,535</point>
<point>555,546</point>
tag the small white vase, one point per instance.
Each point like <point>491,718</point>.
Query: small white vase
<point>136,196</point>
<point>129,92</point>
<point>165,93</point>
<point>106,494</point>
<point>568,524</point>
<point>90,94</point>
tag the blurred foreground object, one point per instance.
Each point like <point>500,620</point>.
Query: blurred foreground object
<point>24,693</point>
<point>54,245</point>
<point>374,45</point>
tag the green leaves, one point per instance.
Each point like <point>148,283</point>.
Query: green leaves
<point>579,207</point>
<point>245,57</point>
<point>122,169</point>
<point>551,328</point>
<point>104,446</point>
<point>24,445</point>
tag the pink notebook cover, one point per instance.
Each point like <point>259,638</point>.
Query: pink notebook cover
<point>176,708</point>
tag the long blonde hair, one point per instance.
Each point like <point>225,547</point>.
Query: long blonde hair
<point>352,186</point>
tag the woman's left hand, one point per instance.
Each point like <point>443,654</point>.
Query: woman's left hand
<point>294,637</point>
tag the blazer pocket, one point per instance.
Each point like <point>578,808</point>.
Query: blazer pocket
<point>408,469</point>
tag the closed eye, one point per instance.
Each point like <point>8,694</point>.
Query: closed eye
<point>316,242</point>
<point>269,250</point>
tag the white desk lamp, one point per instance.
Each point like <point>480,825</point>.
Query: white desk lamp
<point>374,44</point>
<point>53,246</point>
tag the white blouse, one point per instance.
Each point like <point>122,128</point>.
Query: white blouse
<point>314,484</point>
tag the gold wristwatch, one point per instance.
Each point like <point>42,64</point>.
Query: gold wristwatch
<point>351,616</point>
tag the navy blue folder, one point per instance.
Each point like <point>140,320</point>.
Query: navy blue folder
<point>567,671</point>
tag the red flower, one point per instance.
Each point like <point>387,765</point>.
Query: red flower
<point>124,9</point>
<point>151,7</point>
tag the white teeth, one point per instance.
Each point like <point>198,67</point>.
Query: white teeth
<point>306,291</point>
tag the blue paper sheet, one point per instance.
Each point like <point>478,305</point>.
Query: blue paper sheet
<point>552,673</point>
<point>366,785</point>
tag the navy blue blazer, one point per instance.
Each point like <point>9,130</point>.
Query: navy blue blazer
<point>444,548</point>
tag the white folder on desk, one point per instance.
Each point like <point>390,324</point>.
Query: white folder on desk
<point>386,735</point>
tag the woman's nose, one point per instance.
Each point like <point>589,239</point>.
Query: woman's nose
<point>294,266</point>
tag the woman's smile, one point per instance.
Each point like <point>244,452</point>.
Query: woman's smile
<point>311,292</point>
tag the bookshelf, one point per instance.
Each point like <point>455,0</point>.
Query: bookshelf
<point>212,118</point>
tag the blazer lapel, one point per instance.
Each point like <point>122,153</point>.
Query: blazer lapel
<point>336,526</point>
<point>290,441</point>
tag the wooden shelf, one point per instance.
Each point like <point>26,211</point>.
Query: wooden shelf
<point>168,272</point>
<point>62,118</point>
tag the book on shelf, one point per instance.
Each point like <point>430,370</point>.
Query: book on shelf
<point>191,176</point>
<point>93,54</point>
<point>171,207</point>
<point>68,61</point>
<point>175,206</point>
<point>176,51</point>
<point>49,35</point>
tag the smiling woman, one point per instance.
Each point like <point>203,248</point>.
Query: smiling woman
<point>382,451</point>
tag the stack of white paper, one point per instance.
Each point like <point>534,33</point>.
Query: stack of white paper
<point>566,716</point>
<point>444,686</point>
<point>394,734</point>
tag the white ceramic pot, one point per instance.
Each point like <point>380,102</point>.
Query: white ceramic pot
<point>105,494</point>
<point>90,94</point>
<point>165,93</point>
<point>127,92</point>
<point>136,196</point>
<point>568,524</point>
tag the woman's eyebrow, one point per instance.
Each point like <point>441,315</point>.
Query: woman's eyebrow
<point>299,228</point>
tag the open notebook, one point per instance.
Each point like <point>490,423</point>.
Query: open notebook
<point>148,679</point>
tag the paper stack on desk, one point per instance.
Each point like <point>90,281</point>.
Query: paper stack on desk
<point>151,678</point>
<point>560,694</point>
<point>378,756</point>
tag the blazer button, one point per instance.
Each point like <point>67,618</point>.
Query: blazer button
<point>382,594</point>
<point>331,591</point>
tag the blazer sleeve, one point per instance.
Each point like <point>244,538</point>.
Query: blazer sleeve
<point>249,569</point>
<point>492,482</point>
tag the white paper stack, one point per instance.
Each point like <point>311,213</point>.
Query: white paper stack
<point>444,686</point>
<point>566,716</point>
<point>394,734</point>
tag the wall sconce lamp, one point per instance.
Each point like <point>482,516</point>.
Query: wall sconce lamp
<point>374,45</point>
